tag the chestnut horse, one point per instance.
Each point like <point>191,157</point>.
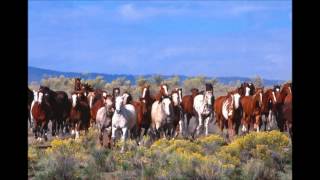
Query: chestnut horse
<point>286,97</point>
<point>225,112</point>
<point>40,112</point>
<point>251,111</point>
<point>268,109</point>
<point>187,107</point>
<point>79,114</point>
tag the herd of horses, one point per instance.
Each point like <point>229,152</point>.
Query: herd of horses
<point>161,115</point>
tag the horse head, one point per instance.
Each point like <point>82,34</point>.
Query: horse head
<point>119,103</point>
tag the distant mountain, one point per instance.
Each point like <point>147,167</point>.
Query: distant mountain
<point>36,74</point>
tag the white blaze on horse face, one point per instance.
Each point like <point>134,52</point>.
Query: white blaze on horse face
<point>85,93</point>
<point>175,99</point>
<point>166,102</point>
<point>247,91</point>
<point>180,95</point>
<point>119,101</point>
<point>236,98</point>
<point>35,96</point>
<point>260,98</point>
<point>125,98</point>
<point>91,99</point>
<point>104,94</point>
<point>277,89</point>
<point>274,97</point>
<point>74,100</point>
<point>290,90</point>
<point>144,92</point>
<point>208,97</point>
<point>40,97</point>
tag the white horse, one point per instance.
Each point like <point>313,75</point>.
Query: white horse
<point>124,118</point>
<point>162,116</point>
<point>104,117</point>
<point>202,104</point>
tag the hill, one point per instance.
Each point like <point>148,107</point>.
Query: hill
<point>36,74</point>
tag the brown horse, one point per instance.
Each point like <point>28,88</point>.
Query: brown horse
<point>268,109</point>
<point>146,101</point>
<point>286,97</point>
<point>79,114</point>
<point>187,106</point>
<point>40,112</point>
<point>251,111</point>
<point>246,89</point>
<point>176,96</point>
<point>164,91</point>
<point>225,112</point>
<point>58,108</point>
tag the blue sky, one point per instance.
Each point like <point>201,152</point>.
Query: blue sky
<point>211,38</point>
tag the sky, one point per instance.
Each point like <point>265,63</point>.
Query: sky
<point>209,38</point>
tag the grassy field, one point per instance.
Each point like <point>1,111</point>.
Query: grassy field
<point>265,155</point>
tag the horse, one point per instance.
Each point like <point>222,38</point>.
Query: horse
<point>124,118</point>
<point>162,116</point>
<point>286,93</point>
<point>251,111</point>
<point>203,106</point>
<point>104,119</point>
<point>176,96</point>
<point>144,105</point>
<point>187,106</point>
<point>77,84</point>
<point>268,109</point>
<point>162,92</point>
<point>96,101</point>
<point>225,108</point>
<point>30,99</point>
<point>127,98</point>
<point>284,108</point>
<point>59,109</point>
<point>79,114</point>
<point>246,89</point>
<point>39,112</point>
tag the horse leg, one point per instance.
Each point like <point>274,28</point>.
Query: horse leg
<point>230,128</point>
<point>113,135</point>
<point>124,138</point>
<point>206,125</point>
<point>198,119</point>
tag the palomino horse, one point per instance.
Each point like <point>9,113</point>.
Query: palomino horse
<point>79,114</point>
<point>269,107</point>
<point>162,116</point>
<point>187,107</point>
<point>59,109</point>
<point>176,96</point>
<point>104,118</point>
<point>124,118</point>
<point>202,105</point>
<point>225,112</point>
<point>251,111</point>
<point>39,112</point>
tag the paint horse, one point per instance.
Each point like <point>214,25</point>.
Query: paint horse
<point>203,106</point>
